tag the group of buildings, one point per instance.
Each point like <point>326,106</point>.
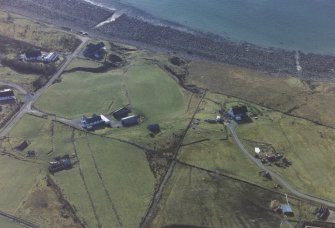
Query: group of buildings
<point>36,55</point>
<point>120,115</point>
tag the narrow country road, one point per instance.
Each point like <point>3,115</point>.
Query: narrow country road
<point>231,126</point>
<point>31,99</point>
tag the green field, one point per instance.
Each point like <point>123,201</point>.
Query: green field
<point>17,178</point>
<point>113,177</point>
<point>146,87</point>
<point>83,93</point>
<point>197,198</point>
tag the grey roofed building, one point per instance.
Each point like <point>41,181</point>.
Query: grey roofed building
<point>121,113</point>
<point>91,122</point>
<point>32,55</point>
<point>130,121</point>
<point>7,96</point>
<point>51,57</point>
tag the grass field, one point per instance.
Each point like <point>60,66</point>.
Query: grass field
<point>308,146</point>
<point>306,99</point>
<point>197,198</point>
<point>113,177</point>
<point>41,35</point>
<point>71,98</point>
<point>17,178</point>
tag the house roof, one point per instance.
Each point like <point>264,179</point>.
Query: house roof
<point>33,53</point>
<point>238,110</point>
<point>155,128</point>
<point>121,112</point>
<point>6,93</point>
<point>93,119</point>
<point>286,208</point>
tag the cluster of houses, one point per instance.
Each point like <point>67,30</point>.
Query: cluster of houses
<point>95,51</point>
<point>7,96</point>
<point>36,55</point>
<point>121,115</point>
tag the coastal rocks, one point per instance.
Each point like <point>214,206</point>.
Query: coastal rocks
<point>68,12</point>
<point>79,14</point>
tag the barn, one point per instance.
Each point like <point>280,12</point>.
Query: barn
<point>121,113</point>
<point>7,96</point>
<point>130,121</point>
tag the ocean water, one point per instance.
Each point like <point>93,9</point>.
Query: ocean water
<point>306,25</point>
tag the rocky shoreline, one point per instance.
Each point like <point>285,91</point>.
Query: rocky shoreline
<point>80,15</point>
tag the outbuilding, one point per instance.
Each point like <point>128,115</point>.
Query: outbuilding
<point>51,57</point>
<point>130,121</point>
<point>287,210</point>
<point>154,128</point>
<point>121,113</point>
<point>7,96</point>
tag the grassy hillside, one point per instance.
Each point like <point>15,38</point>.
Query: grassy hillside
<point>305,99</point>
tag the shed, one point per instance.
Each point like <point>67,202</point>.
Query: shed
<point>130,121</point>
<point>154,128</point>
<point>257,150</point>
<point>51,57</point>
<point>121,113</point>
<point>22,146</point>
<point>287,210</point>
<point>7,96</point>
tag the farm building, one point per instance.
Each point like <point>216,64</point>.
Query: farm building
<point>130,121</point>
<point>32,55</point>
<point>287,210</point>
<point>154,128</point>
<point>50,57</point>
<point>60,164</point>
<point>121,113</point>
<point>7,96</point>
<point>239,113</point>
<point>94,121</point>
<point>95,51</point>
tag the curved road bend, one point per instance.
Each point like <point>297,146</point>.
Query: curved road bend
<point>275,176</point>
<point>27,106</point>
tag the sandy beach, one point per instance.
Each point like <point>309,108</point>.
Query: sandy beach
<point>81,15</point>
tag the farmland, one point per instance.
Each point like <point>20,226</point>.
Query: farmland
<point>191,172</point>
<point>121,170</point>
<point>197,198</point>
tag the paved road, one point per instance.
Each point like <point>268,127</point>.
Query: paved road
<point>31,99</point>
<point>279,179</point>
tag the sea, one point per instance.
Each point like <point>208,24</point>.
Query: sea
<point>305,25</point>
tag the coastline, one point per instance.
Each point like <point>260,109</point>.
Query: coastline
<point>82,15</point>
